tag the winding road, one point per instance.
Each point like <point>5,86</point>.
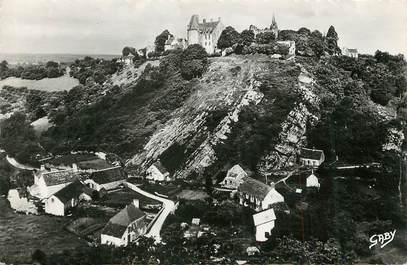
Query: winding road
<point>15,164</point>
<point>168,207</point>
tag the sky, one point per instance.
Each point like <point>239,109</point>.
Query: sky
<point>106,26</point>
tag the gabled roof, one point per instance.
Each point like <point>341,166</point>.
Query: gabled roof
<point>71,191</point>
<point>118,224</point>
<point>205,27</point>
<point>160,167</point>
<point>53,178</point>
<point>264,217</point>
<point>254,188</point>
<point>313,154</point>
<point>241,168</point>
<point>108,175</point>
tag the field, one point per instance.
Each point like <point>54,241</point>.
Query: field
<point>21,235</point>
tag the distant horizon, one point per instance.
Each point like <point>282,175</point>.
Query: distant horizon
<point>106,26</point>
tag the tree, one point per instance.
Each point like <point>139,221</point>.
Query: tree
<point>265,37</point>
<point>39,256</point>
<point>161,39</point>
<point>228,38</point>
<point>193,61</point>
<point>3,66</point>
<point>247,37</point>
<point>331,40</point>
<point>52,64</point>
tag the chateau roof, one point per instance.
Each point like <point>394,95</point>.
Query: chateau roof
<point>264,217</point>
<point>204,27</point>
<point>313,154</point>
<point>254,188</point>
<point>73,190</point>
<point>53,178</point>
<point>118,224</point>
<point>108,175</point>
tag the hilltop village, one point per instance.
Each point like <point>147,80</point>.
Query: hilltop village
<point>218,146</point>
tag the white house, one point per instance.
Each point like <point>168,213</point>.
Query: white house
<point>264,222</point>
<point>312,181</point>
<point>311,157</point>
<point>48,182</point>
<point>157,172</point>
<point>108,178</point>
<point>66,199</point>
<point>205,34</point>
<point>353,53</point>
<point>125,227</point>
<point>173,43</point>
<point>234,177</point>
<point>289,44</point>
<point>258,195</point>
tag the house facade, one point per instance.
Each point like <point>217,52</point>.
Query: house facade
<point>312,181</point>
<point>124,227</point>
<point>353,53</point>
<point>234,177</point>
<point>311,157</point>
<point>264,223</point>
<point>258,195</point>
<point>66,199</point>
<point>108,179</point>
<point>157,172</point>
<point>174,43</point>
<point>205,33</point>
<point>48,182</point>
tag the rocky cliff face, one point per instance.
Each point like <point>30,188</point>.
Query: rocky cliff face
<point>228,85</point>
<point>292,135</point>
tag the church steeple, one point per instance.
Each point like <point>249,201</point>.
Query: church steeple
<point>274,27</point>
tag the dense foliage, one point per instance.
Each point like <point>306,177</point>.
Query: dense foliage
<point>90,69</point>
<point>228,38</point>
<point>161,39</point>
<point>35,72</point>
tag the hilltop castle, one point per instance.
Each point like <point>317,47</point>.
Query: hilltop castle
<point>273,28</point>
<point>206,33</point>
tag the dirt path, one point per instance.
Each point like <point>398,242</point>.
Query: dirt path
<point>168,207</point>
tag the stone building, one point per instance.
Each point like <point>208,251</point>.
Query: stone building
<point>205,33</point>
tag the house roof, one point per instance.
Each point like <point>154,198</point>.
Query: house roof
<point>118,224</point>
<point>70,191</point>
<point>242,168</point>
<point>53,178</point>
<point>264,217</point>
<point>96,164</point>
<point>160,167</point>
<point>254,187</point>
<point>353,50</point>
<point>108,175</point>
<point>313,154</point>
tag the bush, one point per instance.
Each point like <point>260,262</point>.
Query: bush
<point>228,38</point>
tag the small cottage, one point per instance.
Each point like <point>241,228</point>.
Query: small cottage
<point>125,227</point>
<point>157,172</point>
<point>264,222</point>
<point>311,157</point>
<point>258,195</point>
<point>48,182</point>
<point>353,53</point>
<point>173,43</point>
<point>67,198</point>
<point>234,177</point>
<point>107,179</point>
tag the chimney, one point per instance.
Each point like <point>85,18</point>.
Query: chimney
<point>204,20</point>
<point>75,167</point>
<point>272,185</point>
<point>136,203</point>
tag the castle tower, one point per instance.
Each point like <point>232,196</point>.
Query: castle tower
<point>193,30</point>
<point>274,27</point>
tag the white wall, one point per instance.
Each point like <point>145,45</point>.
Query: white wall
<point>262,229</point>
<point>54,206</point>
